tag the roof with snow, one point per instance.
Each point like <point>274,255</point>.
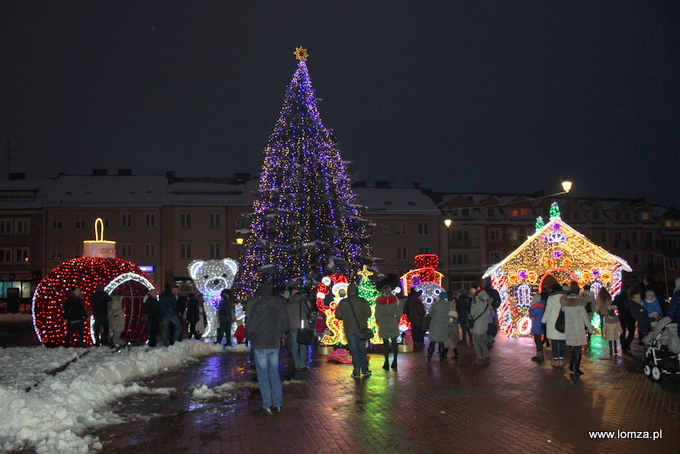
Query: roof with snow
<point>396,201</point>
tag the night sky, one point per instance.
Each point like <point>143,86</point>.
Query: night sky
<point>457,96</point>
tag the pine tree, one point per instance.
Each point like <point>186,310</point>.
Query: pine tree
<point>306,222</point>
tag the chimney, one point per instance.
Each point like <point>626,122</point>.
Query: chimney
<point>170,175</point>
<point>124,172</point>
<point>99,172</point>
<point>382,184</point>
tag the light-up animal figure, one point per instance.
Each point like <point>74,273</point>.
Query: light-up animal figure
<point>211,278</point>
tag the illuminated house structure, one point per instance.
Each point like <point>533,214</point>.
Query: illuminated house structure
<point>556,253</point>
<point>425,278</point>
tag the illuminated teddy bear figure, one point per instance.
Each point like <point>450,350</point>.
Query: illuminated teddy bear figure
<point>211,278</point>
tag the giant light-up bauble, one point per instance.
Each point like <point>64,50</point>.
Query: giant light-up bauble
<point>118,276</point>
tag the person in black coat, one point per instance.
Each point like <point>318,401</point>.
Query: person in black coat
<point>74,316</point>
<point>636,306</point>
<point>463,309</point>
<point>153,317</point>
<point>193,315</point>
<point>225,317</point>
<point>626,320</point>
<point>100,306</point>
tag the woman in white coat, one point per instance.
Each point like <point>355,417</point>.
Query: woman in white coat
<point>553,307</point>
<point>116,320</point>
<point>576,321</point>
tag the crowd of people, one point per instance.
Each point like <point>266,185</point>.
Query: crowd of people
<point>561,317</point>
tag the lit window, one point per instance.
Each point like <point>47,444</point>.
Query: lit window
<point>514,213</point>
<point>525,211</point>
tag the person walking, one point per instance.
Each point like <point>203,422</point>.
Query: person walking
<point>387,315</point>
<point>354,311</point>
<point>267,323</point>
<point>116,321</point>
<point>225,317</point>
<point>481,304</point>
<point>299,310</point>
<point>168,310</point>
<point>553,307</point>
<point>439,326</point>
<point>415,313</point>
<point>153,317</point>
<point>100,307</point>
<point>74,317</point>
<point>576,322</point>
<point>602,302</point>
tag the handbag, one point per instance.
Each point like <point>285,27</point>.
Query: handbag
<point>365,334</point>
<point>305,336</point>
<point>471,321</point>
<point>491,329</point>
<point>559,323</point>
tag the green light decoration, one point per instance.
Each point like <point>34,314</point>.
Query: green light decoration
<point>368,291</point>
<point>540,223</point>
<point>555,211</point>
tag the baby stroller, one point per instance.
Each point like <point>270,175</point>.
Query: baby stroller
<point>662,347</point>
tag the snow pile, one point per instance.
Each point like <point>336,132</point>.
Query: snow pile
<point>48,396</point>
<point>204,393</point>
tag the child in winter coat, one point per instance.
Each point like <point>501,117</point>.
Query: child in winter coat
<point>611,330</point>
<point>536,314</point>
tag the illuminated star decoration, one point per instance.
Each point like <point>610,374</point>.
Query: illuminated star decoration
<point>301,53</point>
<point>364,273</point>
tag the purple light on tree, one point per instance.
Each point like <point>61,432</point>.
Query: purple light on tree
<point>557,254</point>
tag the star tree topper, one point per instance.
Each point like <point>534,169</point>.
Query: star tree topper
<point>301,53</point>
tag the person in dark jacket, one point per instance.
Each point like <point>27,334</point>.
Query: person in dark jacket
<point>267,322</point>
<point>225,317</point>
<point>153,316</point>
<point>536,314</point>
<point>636,306</point>
<point>180,307</point>
<point>100,306</point>
<point>626,320</point>
<point>298,309</point>
<point>416,316</point>
<point>193,315</point>
<point>354,311</point>
<point>463,309</point>
<point>74,316</point>
<point>169,313</point>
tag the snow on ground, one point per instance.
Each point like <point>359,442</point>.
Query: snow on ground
<point>49,396</point>
<point>15,318</point>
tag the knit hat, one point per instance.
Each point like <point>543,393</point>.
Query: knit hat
<point>650,293</point>
<point>443,296</point>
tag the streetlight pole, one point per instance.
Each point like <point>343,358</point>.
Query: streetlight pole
<point>447,223</point>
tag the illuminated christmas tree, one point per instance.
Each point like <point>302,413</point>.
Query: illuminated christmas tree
<point>306,223</point>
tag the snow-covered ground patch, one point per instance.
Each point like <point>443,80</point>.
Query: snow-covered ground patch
<point>49,396</point>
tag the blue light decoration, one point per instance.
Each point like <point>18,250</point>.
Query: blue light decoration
<point>523,295</point>
<point>306,222</point>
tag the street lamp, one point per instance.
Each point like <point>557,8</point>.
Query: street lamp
<point>447,223</point>
<point>566,185</point>
<point>239,241</point>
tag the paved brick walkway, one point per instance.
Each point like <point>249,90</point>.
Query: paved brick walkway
<point>513,405</point>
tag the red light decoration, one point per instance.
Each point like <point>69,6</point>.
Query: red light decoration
<point>119,276</point>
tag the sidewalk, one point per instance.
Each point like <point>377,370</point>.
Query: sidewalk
<point>513,405</point>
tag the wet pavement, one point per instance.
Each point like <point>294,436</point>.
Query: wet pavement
<point>513,405</point>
